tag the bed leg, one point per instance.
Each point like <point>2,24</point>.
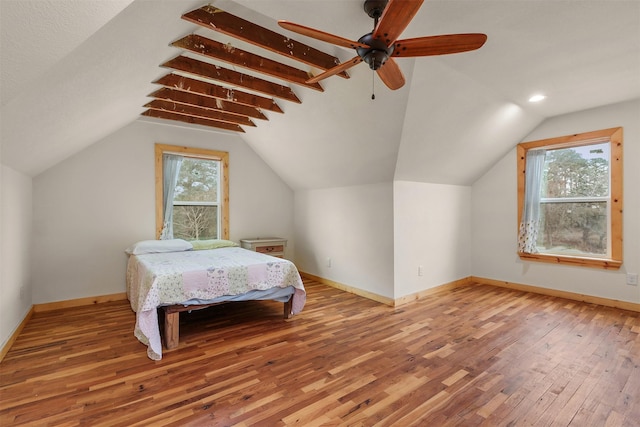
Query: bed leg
<point>287,308</point>
<point>171,329</point>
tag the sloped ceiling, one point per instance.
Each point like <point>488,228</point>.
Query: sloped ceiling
<point>68,81</point>
<point>61,27</point>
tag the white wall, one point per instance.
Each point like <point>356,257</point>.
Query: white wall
<point>15,250</point>
<point>432,229</point>
<point>93,205</point>
<point>494,211</point>
<point>354,227</point>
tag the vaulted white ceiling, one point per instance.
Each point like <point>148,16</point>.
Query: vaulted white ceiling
<point>74,71</point>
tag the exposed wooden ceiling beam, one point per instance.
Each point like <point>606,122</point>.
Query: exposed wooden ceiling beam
<point>192,110</point>
<point>235,78</point>
<point>208,89</point>
<point>207,102</point>
<point>227,53</point>
<point>192,120</point>
<point>217,19</point>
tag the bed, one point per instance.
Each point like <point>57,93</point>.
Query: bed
<point>174,277</point>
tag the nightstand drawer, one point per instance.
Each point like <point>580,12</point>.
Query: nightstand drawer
<point>269,249</point>
<point>273,246</point>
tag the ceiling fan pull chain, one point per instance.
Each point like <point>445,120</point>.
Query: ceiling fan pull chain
<point>373,85</point>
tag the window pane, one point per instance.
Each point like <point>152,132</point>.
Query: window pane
<point>203,180</point>
<point>195,222</point>
<point>577,172</point>
<point>573,228</point>
<point>197,181</point>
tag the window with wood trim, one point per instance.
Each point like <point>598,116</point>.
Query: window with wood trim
<point>570,199</point>
<point>198,205</point>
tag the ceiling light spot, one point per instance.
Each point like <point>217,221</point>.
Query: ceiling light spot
<point>537,98</point>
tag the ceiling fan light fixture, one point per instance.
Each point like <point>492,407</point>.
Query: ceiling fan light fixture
<point>375,58</point>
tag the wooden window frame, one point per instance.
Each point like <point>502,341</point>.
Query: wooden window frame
<point>614,137</point>
<point>201,153</point>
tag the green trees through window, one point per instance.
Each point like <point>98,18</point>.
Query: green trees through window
<point>195,201</point>
<point>574,199</point>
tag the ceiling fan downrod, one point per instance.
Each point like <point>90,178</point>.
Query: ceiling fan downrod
<point>377,53</point>
<point>374,9</point>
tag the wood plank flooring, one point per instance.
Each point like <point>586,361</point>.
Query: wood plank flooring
<point>474,356</point>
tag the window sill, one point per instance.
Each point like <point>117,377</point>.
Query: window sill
<point>604,263</point>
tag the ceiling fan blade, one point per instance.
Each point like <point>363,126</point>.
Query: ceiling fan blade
<point>391,75</point>
<point>395,18</point>
<point>320,35</point>
<point>335,70</point>
<point>438,45</point>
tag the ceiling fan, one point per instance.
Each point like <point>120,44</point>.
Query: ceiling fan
<point>379,47</point>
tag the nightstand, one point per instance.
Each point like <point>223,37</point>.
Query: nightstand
<point>273,246</point>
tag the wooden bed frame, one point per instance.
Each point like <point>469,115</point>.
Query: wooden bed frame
<point>172,319</point>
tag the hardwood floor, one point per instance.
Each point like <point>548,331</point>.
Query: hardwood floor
<point>475,356</point>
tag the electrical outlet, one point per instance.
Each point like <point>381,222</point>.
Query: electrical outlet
<point>420,270</point>
<point>632,279</point>
<point>328,262</point>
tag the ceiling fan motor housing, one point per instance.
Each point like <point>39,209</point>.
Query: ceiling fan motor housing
<point>376,54</point>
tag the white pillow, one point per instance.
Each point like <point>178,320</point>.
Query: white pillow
<point>158,246</point>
